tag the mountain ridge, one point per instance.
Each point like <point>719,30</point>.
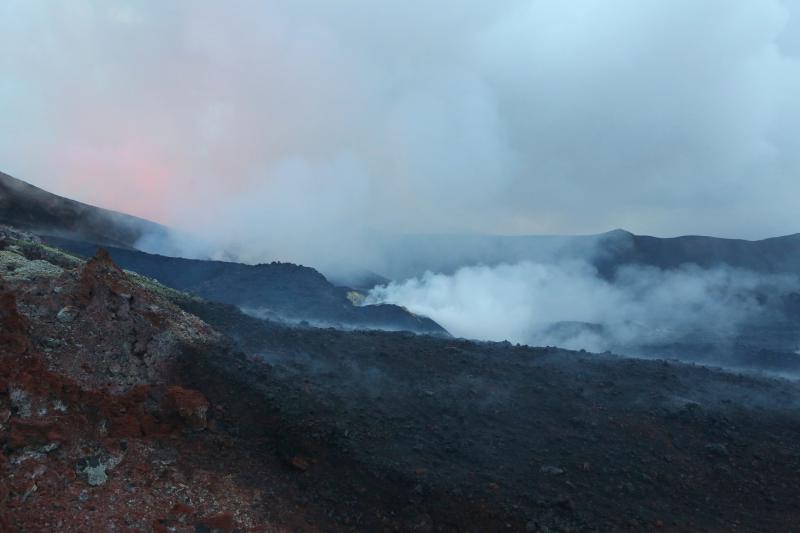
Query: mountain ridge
<point>28,207</point>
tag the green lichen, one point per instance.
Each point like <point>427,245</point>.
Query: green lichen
<point>26,259</point>
<point>156,287</point>
<point>35,250</point>
<point>96,475</point>
<point>16,267</point>
<point>55,255</point>
<point>95,471</point>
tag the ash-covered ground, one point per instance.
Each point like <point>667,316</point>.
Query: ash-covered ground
<point>550,440</point>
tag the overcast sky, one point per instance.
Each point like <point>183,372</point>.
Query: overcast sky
<point>288,120</point>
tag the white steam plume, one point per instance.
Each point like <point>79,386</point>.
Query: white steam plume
<point>530,302</point>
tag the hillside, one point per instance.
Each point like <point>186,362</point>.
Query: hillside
<point>27,207</point>
<point>283,291</point>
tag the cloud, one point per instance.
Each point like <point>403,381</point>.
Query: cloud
<point>270,124</point>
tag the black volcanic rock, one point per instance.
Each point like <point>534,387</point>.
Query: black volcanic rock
<point>569,441</point>
<point>275,290</point>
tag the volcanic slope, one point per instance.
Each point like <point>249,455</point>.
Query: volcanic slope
<point>27,207</point>
<point>561,441</point>
<point>121,408</point>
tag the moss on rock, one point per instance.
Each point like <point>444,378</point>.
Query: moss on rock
<point>16,267</point>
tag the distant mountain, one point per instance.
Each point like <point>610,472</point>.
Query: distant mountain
<point>411,255</point>
<point>30,208</point>
<point>774,255</point>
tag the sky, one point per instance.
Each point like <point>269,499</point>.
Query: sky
<point>287,126</point>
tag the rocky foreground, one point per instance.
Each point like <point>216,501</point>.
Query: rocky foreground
<point>97,432</point>
<point>127,406</point>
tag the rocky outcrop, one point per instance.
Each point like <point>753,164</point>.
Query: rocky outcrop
<point>96,323</point>
<point>90,405</point>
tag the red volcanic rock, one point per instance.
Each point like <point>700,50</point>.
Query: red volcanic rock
<point>189,405</point>
<point>101,269</point>
<point>180,510</point>
<point>14,337</point>
<point>90,385</point>
<point>151,427</point>
<point>125,426</point>
<point>222,523</point>
<point>103,328</point>
<point>32,433</point>
<point>104,287</point>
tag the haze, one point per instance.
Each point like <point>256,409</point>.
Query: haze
<point>291,130</point>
